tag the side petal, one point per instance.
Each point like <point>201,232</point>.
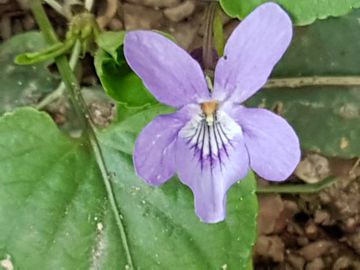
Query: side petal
<point>210,172</point>
<point>167,70</point>
<point>272,144</point>
<point>251,52</point>
<point>154,154</point>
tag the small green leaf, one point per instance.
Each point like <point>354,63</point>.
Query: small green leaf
<point>23,85</point>
<point>52,201</point>
<point>116,77</point>
<point>111,42</point>
<point>120,82</point>
<point>303,12</point>
<point>326,118</point>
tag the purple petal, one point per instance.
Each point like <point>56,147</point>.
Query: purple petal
<point>210,179</point>
<point>167,70</point>
<point>272,144</point>
<point>154,149</point>
<point>251,52</point>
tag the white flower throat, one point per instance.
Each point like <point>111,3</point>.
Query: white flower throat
<point>209,134</point>
<point>209,109</point>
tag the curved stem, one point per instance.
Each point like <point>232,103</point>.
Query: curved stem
<point>110,11</point>
<point>73,88</point>
<point>290,188</point>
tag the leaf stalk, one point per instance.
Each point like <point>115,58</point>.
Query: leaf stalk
<point>294,188</point>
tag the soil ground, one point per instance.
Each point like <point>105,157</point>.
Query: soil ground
<point>313,231</point>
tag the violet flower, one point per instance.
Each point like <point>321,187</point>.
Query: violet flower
<point>212,141</point>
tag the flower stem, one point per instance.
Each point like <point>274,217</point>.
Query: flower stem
<point>207,49</point>
<point>293,188</point>
<point>313,81</point>
<point>219,33</point>
<point>73,89</point>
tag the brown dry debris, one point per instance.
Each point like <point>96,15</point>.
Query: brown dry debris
<point>323,229</point>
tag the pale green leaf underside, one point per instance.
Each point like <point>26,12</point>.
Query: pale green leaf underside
<point>54,212</point>
<point>303,12</point>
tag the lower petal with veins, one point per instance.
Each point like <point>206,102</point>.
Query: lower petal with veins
<point>209,159</point>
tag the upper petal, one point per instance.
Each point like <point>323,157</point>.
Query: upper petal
<point>251,52</point>
<point>167,70</point>
<point>209,160</point>
<point>154,154</point>
<point>273,146</point>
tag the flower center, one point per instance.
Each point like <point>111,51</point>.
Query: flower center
<point>209,135</point>
<point>209,109</point>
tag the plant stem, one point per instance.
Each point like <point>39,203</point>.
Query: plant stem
<point>313,81</point>
<point>219,38</point>
<point>207,48</point>
<point>290,188</point>
<point>73,88</point>
<point>58,92</point>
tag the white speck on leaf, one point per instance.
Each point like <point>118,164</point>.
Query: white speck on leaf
<point>100,226</point>
<point>99,248</point>
<point>344,143</point>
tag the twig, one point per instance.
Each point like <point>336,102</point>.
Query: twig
<point>74,91</point>
<point>293,188</point>
<point>111,8</point>
<point>89,4</point>
<point>353,170</point>
<point>314,81</point>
